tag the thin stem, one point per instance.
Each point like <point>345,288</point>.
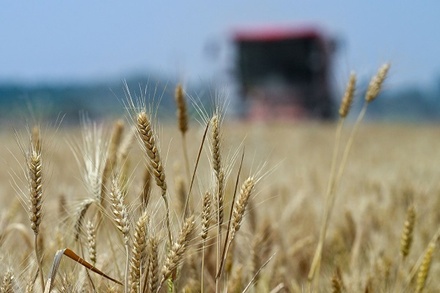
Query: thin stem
<point>227,244</point>
<point>196,166</point>
<point>39,260</point>
<point>186,157</point>
<point>170,239</point>
<point>127,267</point>
<point>203,267</point>
<point>331,194</point>
<point>330,187</point>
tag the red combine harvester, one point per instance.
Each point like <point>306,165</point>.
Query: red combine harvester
<point>284,73</point>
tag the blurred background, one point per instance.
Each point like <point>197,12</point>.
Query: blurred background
<point>275,59</point>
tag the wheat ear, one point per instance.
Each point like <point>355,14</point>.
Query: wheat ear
<point>122,222</point>
<point>148,139</point>
<point>406,239</point>
<point>376,83</point>
<point>175,255</point>
<point>216,165</point>
<point>153,266</point>
<point>206,217</point>
<point>424,268</point>
<point>182,113</point>
<point>347,99</point>
<point>182,119</point>
<point>91,241</point>
<point>7,283</point>
<point>407,233</point>
<point>120,211</point>
<point>34,163</point>
<point>138,252</point>
<point>240,206</point>
<point>35,188</point>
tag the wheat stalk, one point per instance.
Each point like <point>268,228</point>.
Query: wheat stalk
<point>335,177</point>
<point>110,162</point>
<point>220,181</point>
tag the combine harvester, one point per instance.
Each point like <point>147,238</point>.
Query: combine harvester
<point>283,73</point>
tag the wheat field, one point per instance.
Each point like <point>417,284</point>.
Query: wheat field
<point>214,205</point>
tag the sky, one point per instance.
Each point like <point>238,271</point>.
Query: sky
<point>53,40</point>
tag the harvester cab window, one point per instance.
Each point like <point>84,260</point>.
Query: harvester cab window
<point>293,61</point>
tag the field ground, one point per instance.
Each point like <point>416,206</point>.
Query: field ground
<point>390,168</point>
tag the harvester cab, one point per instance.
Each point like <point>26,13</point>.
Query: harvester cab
<point>284,73</point>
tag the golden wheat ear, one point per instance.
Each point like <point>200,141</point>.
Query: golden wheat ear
<point>182,119</point>
<point>206,219</point>
<point>138,252</point>
<point>120,212</point>
<point>407,233</point>
<point>376,83</point>
<point>182,112</point>
<point>7,283</point>
<point>91,241</point>
<point>148,140</point>
<point>153,265</point>
<point>176,253</point>
<point>347,99</point>
<point>422,275</point>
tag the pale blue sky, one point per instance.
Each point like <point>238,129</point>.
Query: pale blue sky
<point>83,40</point>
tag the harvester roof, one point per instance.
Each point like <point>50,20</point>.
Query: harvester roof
<point>276,33</point>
